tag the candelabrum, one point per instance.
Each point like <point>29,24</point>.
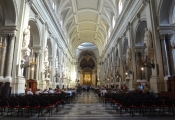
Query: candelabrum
<point>31,62</point>
<point>57,74</point>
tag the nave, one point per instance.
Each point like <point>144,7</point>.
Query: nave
<point>87,107</point>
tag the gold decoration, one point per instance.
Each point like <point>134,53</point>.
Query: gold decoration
<point>87,57</point>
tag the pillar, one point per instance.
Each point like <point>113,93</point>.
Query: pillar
<point>9,60</point>
<point>3,54</point>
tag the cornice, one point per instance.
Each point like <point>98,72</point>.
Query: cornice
<point>130,10</point>
<point>58,26</point>
<point>167,29</point>
<point>44,11</point>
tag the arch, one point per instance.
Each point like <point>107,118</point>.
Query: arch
<point>8,12</point>
<point>120,6</point>
<point>99,46</point>
<point>34,33</point>
<point>91,65</point>
<point>117,55</point>
<point>164,13</point>
<point>49,44</point>
<point>81,56</point>
<point>125,44</point>
<point>140,32</point>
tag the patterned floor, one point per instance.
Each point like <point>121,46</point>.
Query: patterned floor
<point>88,107</point>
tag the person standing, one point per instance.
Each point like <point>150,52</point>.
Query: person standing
<point>88,88</point>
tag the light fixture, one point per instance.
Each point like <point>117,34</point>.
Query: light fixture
<point>142,68</point>
<point>32,68</point>
<point>32,61</point>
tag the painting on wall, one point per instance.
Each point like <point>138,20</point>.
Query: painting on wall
<point>87,80</point>
<point>87,62</point>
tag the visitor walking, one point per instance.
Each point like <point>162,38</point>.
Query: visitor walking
<point>88,88</point>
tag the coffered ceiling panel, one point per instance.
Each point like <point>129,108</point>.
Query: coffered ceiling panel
<point>87,16</point>
<point>91,4</point>
<point>87,26</point>
<point>87,20</point>
<point>87,34</point>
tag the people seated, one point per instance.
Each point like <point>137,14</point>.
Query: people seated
<point>140,87</point>
<point>146,89</point>
<point>45,91</point>
<point>58,90</point>
<point>29,92</point>
<point>113,91</point>
<point>37,92</point>
<point>125,88</point>
<point>50,90</point>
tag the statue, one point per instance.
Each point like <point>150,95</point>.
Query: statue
<point>118,62</point>
<point>148,39</point>
<point>128,55</point>
<point>26,40</point>
<point>46,54</point>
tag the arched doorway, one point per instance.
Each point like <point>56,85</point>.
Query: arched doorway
<point>88,70</point>
<point>143,74</point>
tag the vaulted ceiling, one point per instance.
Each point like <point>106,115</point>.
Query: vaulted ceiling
<point>87,20</point>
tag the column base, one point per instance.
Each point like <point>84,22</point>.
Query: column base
<point>166,82</point>
<point>19,86</point>
<point>43,84</point>
<point>6,79</point>
<point>154,84</point>
<point>53,85</point>
<point>131,85</point>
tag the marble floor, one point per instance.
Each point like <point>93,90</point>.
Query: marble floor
<point>89,107</point>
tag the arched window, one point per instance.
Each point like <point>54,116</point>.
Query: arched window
<point>54,5</point>
<point>173,17</point>
<point>120,5</point>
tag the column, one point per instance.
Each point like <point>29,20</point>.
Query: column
<point>156,83</point>
<point>37,67</point>
<point>132,82</point>
<point>10,56</point>
<point>3,54</point>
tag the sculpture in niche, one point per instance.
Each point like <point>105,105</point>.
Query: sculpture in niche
<point>111,66</point>
<point>128,55</point>
<point>26,40</point>
<point>148,39</point>
<point>46,54</point>
<point>118,62</point>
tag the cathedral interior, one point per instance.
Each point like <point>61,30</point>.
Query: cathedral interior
<point>99,43</point>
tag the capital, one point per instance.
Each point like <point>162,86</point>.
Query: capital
<point>145,2</point>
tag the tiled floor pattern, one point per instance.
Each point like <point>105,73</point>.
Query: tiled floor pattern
<point>89,107</point>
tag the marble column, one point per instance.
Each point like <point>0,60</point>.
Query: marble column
<point>37,68</point>
<point>3,56</point>
<point>10,55</point>
<point>165,61</point>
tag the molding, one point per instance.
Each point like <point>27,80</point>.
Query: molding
<point>145,2</point>
<point>166,29</point>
